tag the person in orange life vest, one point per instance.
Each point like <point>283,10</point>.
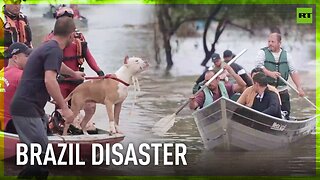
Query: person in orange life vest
<point>15,26</point>
<point>74,55</point>
<point>17,54</point>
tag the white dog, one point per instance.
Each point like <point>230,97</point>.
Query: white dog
<point>110,91</point>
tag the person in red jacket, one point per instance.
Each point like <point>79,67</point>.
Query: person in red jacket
<point>74,56</point>
<point>17,53</point>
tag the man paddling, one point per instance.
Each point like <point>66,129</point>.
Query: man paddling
<point>216,89</point>
<point>276,62</point>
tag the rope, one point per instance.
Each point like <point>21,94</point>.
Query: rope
<point>136,87</point>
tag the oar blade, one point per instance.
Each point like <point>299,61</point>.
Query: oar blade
<point>164,124</point>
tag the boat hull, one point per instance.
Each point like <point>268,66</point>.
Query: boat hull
<point>226,124</point>
<point>8,147</point>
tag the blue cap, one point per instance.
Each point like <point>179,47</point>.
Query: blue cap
<point>17,48</point>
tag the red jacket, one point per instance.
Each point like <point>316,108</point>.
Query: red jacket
<point>71,51</point>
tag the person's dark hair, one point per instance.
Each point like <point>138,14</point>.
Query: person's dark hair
<point>261,79</point>
<point>255,70</point>
<point>64,26</point>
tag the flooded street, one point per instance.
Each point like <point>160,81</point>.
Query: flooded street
<point>127,30</point>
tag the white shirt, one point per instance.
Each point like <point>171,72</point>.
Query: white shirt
<point>260,96</point>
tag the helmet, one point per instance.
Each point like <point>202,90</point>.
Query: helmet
<point>64,11</point>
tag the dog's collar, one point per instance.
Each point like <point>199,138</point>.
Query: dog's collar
<point>110,76</point>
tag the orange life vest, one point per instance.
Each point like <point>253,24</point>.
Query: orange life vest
<point>81,48</point>
<point>17,30</point>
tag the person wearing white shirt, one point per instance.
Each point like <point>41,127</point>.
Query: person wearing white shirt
<point>276,62</point>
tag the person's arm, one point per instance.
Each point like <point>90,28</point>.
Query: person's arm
<point>53,89</point>
<point>239,87</point>
<point>68,71</point>
<point>247,79</point>
<point>273,74</point>
<point>193,104</point>
<point>243,97</point>
<point>296,79</point>
<point>260,59</point>
<point>197,101</point>
<point>92,63</point>
<point>28,32</point>
<point>294,75</point>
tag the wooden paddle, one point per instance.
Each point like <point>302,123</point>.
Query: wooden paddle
<point>311,103</point>
<point>164,124</point>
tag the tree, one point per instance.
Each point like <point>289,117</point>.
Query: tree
<point>251,18</point>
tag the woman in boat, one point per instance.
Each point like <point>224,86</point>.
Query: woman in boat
<point>216,89</point>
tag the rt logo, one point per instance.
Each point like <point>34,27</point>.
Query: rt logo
<point>304,15</point>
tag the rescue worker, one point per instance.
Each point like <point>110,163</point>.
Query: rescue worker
<point>15,26</point>
<point>74,56</point>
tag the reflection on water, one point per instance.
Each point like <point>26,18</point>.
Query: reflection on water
<point>160,96</point>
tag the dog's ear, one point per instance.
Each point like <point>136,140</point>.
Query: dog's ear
<point>126,59</point>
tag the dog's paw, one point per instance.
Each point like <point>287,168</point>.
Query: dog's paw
<point>113,131</point>
<point>112,128</point>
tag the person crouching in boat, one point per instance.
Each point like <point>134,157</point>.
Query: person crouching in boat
<point>249,93</point>
<point>265,101</point>
<point>216,89</point>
